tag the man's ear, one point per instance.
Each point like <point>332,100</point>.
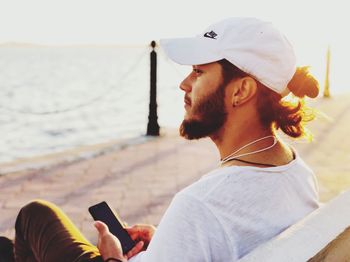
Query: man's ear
<point>244,89</point>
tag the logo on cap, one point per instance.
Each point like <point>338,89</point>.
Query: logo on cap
<point>211,35</point>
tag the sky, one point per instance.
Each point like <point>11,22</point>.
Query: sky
<point>311,25</point>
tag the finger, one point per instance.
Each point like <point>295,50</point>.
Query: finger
<point>130,230</point>
<point>133,232</point>
<point>133,228</point>
<point>134,235</point>
<point>135,250</point>
<point>101,227</point>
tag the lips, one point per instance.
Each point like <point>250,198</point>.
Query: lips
<point>187,101</point>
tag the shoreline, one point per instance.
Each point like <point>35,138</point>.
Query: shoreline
<point>69,156</point>
<point>79,153</point>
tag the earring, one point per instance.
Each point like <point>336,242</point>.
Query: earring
<point>236,103</point>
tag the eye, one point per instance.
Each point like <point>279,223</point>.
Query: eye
<point>197,71</point>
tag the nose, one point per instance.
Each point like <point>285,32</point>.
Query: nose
<point>186,84</point>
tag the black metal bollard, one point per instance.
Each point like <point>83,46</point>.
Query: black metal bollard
<point>153,127</point>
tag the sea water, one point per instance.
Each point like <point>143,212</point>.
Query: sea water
<point>58,98</point>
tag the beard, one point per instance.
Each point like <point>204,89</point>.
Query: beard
<point>210,116</point>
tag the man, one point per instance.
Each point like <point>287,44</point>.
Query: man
<point>241,70</point>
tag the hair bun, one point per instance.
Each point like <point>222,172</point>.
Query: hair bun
<point>303,83</point>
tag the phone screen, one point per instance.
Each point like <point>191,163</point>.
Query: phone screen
<point>104,213</point>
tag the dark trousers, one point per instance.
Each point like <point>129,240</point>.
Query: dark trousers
<point>45,234</point>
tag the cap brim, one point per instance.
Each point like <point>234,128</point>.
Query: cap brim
<point>191,51</point>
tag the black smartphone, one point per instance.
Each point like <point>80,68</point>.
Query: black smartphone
<point>104,213</point>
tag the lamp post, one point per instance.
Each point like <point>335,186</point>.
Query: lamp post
<point>326,92</point>
<point>153,127</point>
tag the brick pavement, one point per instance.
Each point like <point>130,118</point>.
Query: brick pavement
<point>139,181</point>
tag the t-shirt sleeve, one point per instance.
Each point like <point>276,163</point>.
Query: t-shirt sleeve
<point>188,231</point>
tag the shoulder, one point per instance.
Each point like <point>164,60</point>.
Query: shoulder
<point>237,185</point>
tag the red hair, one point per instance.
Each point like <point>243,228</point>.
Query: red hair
<point>274,111</point>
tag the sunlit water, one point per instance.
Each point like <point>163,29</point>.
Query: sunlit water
<point>56,98</point>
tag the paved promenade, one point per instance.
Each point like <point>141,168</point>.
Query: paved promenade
<point>140,180</point>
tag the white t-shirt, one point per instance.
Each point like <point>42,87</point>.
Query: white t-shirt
<point>230,211</point>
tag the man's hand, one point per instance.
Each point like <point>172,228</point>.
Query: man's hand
<point>141,232</point>
<point>109,245</point>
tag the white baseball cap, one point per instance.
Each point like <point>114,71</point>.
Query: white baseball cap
<point>254,46</point>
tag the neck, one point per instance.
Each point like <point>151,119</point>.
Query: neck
<point>236,134</point>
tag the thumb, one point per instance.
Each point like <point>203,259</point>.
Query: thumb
<point>101,227</point>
